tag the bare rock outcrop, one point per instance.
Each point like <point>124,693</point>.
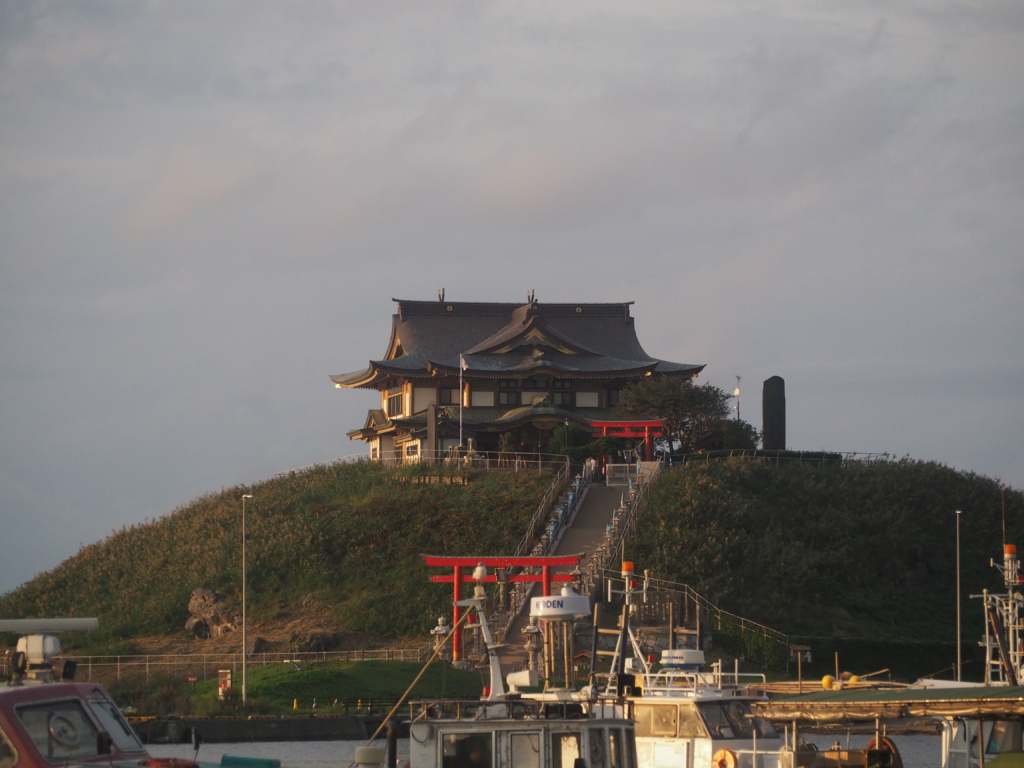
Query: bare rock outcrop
<point>316,642</point>
<point>209,617</point>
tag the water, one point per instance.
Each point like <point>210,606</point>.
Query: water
<point>292,754</point>
<point>917,750</point>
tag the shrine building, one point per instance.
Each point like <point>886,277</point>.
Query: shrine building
<point>526,369</point>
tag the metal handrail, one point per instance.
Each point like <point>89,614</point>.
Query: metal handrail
<point>180,662</point>
<point>557,519</point>
<point>488,460</point>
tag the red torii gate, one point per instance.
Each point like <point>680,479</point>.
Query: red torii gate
<point>458,578</point>
<point>637,430</point>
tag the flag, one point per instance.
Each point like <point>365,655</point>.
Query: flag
<point>463,363</point>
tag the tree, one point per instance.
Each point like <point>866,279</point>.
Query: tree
<point>729,433</point>
<point>572,441</point>
<point>689,412</point>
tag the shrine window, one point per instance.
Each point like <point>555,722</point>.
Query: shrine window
<point>508,398</point>
<point>562,398</point>
<point>395,401</point>
<point>508,384</point>
<point>614,396</point>
<point>536,382</point>
<point>562,384</point>
<point>449,396</point>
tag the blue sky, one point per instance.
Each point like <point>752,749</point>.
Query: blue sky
<point>207,207</point>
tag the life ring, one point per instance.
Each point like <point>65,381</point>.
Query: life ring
<point>888,745</point>
<point>168,762</point>
<point>724,758</point>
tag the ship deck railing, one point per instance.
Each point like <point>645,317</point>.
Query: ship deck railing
<point>517,708</point>
<point>676,682</point>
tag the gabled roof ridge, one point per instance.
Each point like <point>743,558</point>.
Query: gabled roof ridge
<point>415,307</point>
<point>519,327</point>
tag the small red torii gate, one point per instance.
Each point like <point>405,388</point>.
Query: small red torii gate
<point>637,430</point>
<point>458,578</point>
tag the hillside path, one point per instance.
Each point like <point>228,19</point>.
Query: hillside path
<point>583,536</point>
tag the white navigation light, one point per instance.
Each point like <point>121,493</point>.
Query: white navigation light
<point>526,678</point>
<point>480,572</point>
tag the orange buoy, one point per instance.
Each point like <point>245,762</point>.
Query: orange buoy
<point>724,758</point>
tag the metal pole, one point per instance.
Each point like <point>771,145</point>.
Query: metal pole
<point>958,648</point>
<point>244,649</point>
<point>462,396</point>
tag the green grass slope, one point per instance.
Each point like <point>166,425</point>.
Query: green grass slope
<point>283,689</point>
<point>864,553</point>
<point>350,534</point>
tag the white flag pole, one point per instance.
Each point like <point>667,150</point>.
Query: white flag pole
<point>462,397</point>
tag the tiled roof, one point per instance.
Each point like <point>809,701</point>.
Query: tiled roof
<point>572,340</point>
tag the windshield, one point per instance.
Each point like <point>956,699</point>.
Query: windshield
<point>110,717</point>
<point>61,730</point>
<point>732,719</point>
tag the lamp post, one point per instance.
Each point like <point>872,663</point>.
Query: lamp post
<point>244,648</point>
<point>736,394</point>
<point>958,650</point>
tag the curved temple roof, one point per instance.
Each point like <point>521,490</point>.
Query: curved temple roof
<point>511,340</point>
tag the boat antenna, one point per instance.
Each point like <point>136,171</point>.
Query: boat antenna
<point>1002,493</point>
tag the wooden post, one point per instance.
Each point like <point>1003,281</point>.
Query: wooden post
<point>799,672</point>
<point>456,615</point>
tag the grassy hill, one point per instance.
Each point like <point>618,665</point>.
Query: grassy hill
<point>857,557</point>
<point>283,689</point>
<point>350,535</point>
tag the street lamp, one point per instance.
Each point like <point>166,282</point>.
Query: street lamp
<point>244,649</point>
<point>736,394</point>
<point>958,650</point>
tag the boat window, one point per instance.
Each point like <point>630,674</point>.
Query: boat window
<point>112,721</point>
<point>61,730</point>
<point>615,746</point>
<point>690,725</point>
<point>8,754</point>
<point>596,743</point>
<point>655,719</point>
<point>717,721</point>
<point>467,750</point>
<point>738,713</point>
<point>565,748</point>
<point>526,750</point>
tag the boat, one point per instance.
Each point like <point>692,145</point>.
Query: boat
<point>685,715</point>
<point>49,719</point>
<point>513,729</point>
<point>981,723</point>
